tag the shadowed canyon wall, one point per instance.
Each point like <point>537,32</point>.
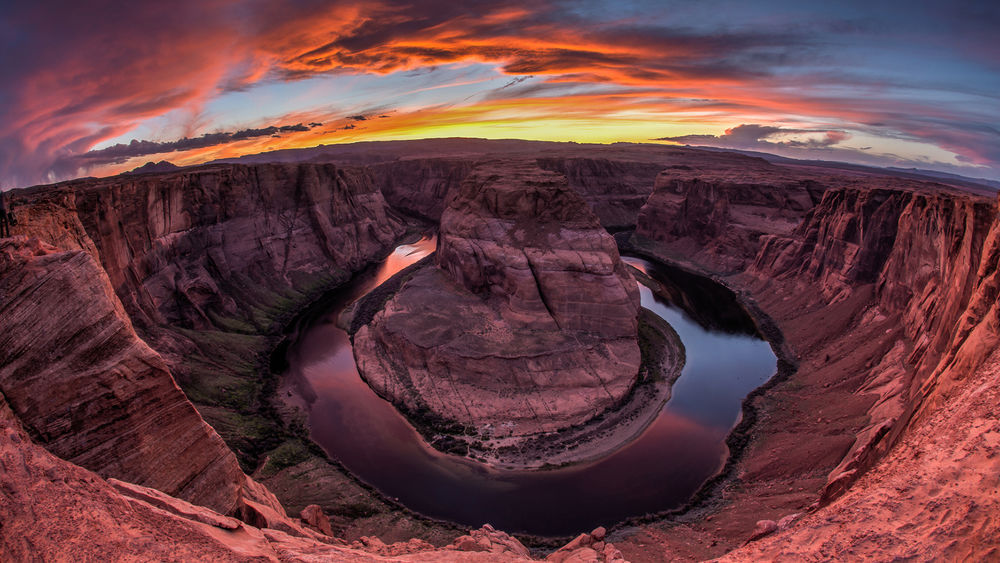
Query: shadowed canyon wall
<point>211,252</point>
<point>615,189</point>
<point>190,248</point>
<point>926,255</point>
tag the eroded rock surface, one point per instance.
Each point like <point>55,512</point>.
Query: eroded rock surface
<point>84,385</point>
<point>528,322</point>
<point>887,294</point>
<point>725,220</point>
<point>196,246</point>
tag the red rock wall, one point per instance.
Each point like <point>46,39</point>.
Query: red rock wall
<point>929,255</point>
<point>420,187</point>
<point>615,189</point>
<point>189,247</point>
<point>88,389</point>
<point>178,250</point>
<point>721,222</point>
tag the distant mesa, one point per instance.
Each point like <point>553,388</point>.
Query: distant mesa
<point>155,167</point>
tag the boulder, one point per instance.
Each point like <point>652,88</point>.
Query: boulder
<point>315,517</point>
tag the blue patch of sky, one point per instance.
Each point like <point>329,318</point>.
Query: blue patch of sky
<point>339,95</point>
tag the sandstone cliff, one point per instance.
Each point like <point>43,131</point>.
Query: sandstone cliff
<point>887,290</point>
<point>931,260</point>
<point>526,325</point>
<point>208,262</point>
<point>614,189</point>
<point>84,385</point>
<point>192,247</point>
<point>723,221</point>
<point>419,186</point>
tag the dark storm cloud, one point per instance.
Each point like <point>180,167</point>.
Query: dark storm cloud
<point>124,151</point>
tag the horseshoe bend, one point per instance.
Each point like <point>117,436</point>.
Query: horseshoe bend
<point>528,323</point>
<point>168,340</point>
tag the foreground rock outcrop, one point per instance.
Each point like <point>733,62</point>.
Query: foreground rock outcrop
<point>91,391</point>
<point>526,324</point>
<point>53,510</point>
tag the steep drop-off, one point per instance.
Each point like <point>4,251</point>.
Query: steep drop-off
<point>723,221</point>
<point>191,248</point>
<point>85,386</point>
<point>420,187</point>
<point>614,189</point>
<point>887,293</point>
<point>931,261</point>
<point>210,262</point>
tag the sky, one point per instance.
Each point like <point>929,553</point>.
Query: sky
<point>101,87</point>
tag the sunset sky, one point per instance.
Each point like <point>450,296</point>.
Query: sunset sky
<point>100,87</point>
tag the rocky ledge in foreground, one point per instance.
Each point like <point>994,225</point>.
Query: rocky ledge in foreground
<point>528,317</point>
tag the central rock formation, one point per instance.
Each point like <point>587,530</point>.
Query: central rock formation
<point>528,322</point>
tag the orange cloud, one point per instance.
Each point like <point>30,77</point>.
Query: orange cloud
<point>81,77</point>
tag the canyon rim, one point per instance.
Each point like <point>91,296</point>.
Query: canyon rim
<point>335,281</point>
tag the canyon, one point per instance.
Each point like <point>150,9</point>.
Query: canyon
<point>527,325</point>
<point>138,315</point>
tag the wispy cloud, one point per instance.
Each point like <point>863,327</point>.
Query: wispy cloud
<point>75,76</point>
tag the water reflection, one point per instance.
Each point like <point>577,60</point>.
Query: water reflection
<point>661,469</point>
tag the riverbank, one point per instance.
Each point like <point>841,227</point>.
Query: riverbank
<point>661,364</point>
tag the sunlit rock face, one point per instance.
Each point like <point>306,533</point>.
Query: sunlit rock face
<point>527,322</point>
<point>84,385</point>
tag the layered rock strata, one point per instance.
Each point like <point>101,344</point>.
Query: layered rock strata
<point>614,189</point>
<point>204,263</point>
<point>420,187</point>
<point>526,324</point>
<point>892,323</point>
<point>887,290</point>
<point>85,386</point>
<point>931,260</point>
<point>196,246</point>
<point>723,221</point>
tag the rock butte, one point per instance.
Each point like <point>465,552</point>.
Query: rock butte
<point>884,440</point>
<point>527,324</point>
